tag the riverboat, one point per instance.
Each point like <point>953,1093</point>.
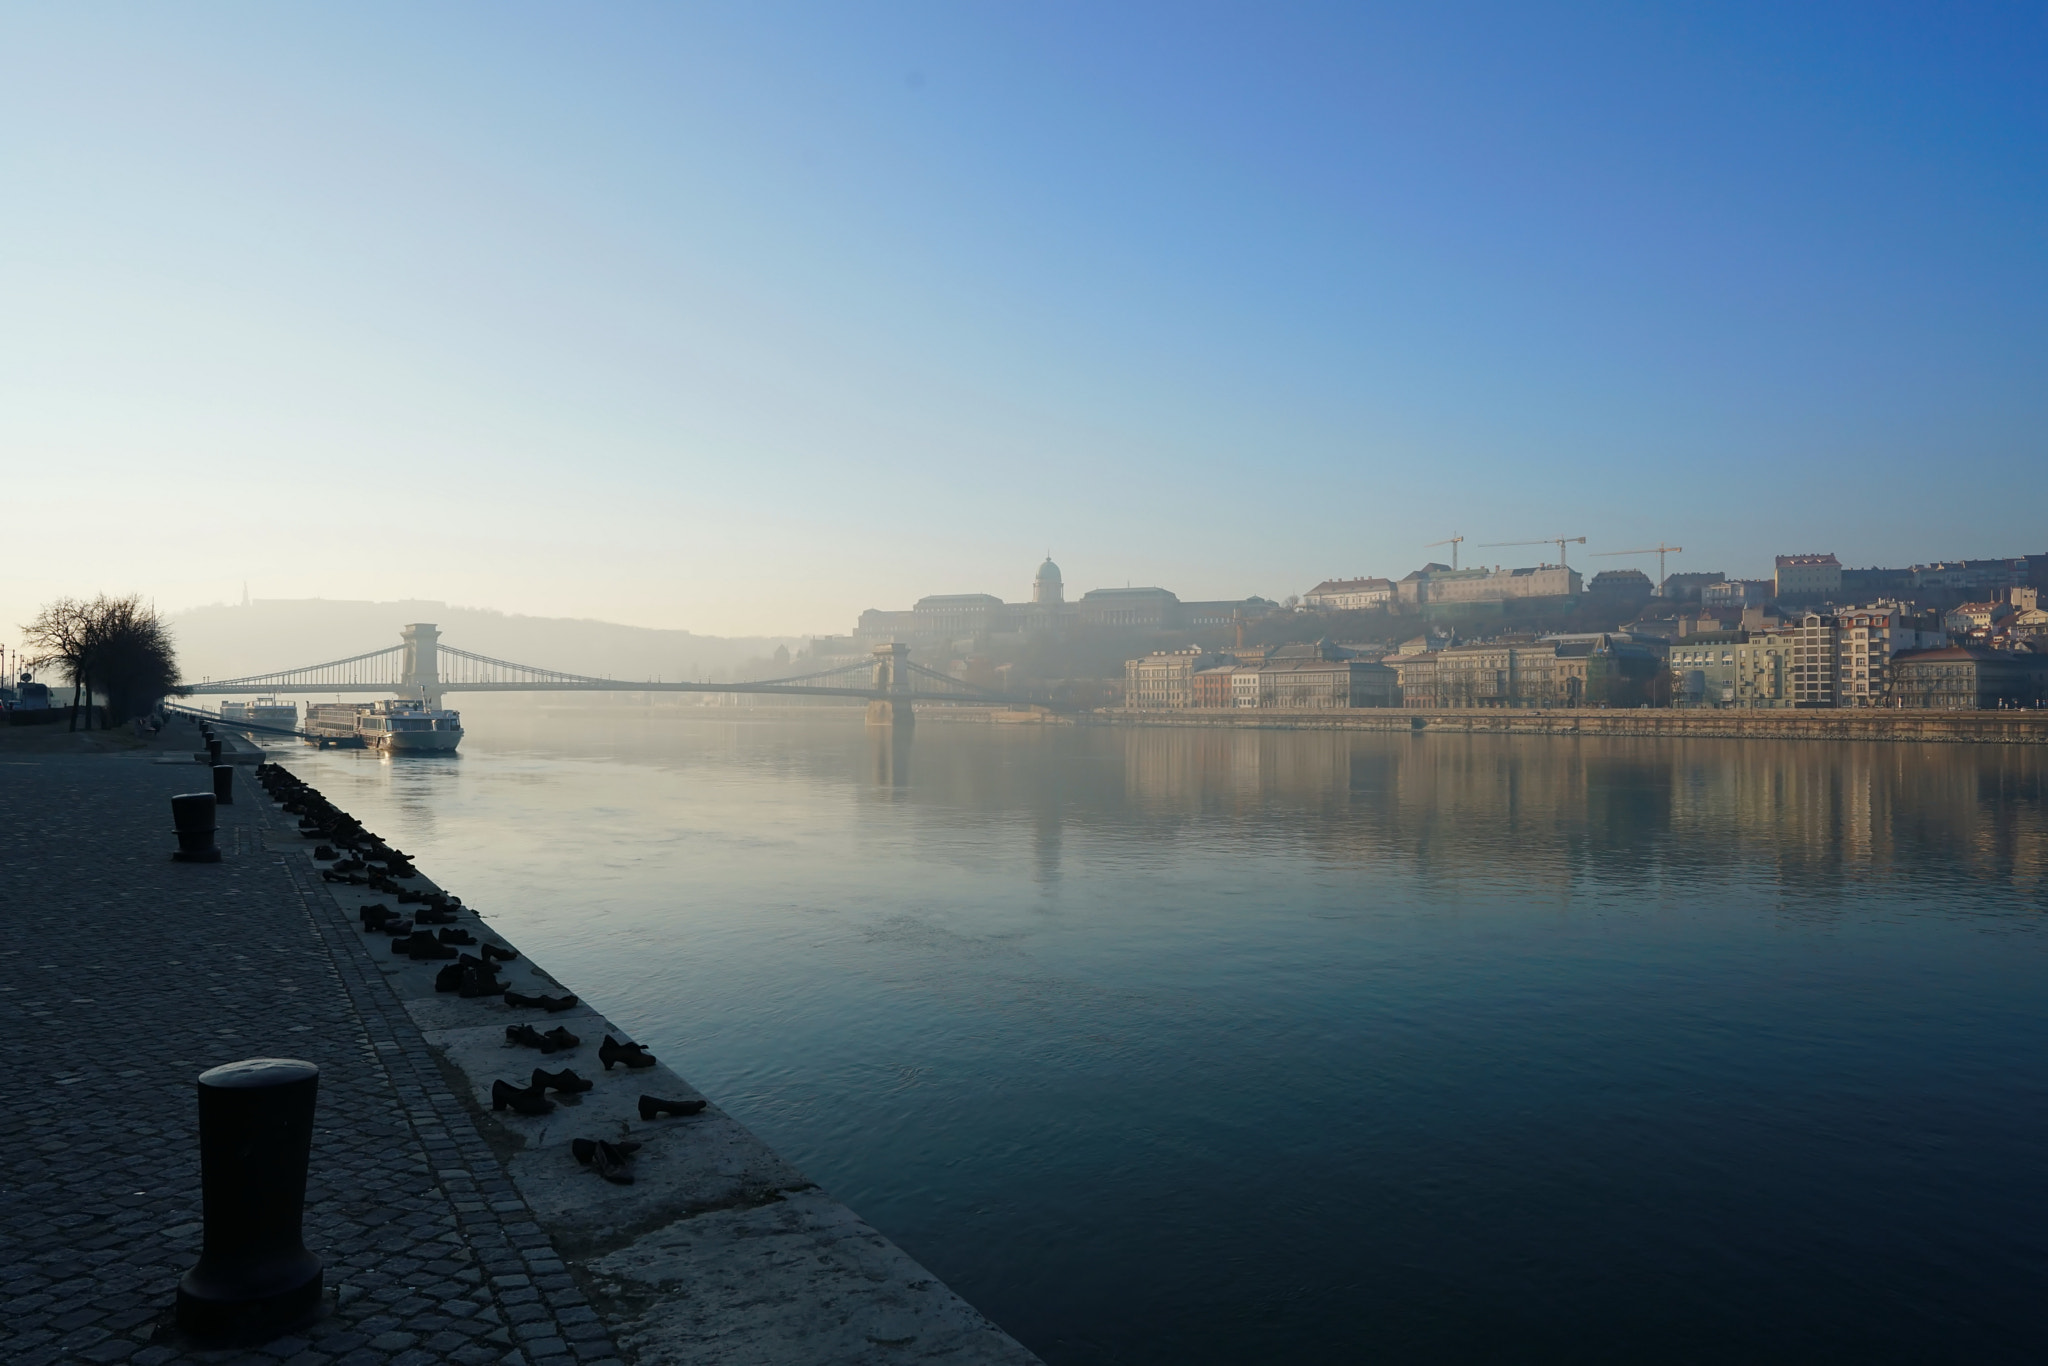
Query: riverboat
<point>405,726</point>
<point>264,711</point>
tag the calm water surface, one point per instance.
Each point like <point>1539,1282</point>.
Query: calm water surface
<point>1186,1046</point>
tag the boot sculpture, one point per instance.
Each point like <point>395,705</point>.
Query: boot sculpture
<point>652,1107</point>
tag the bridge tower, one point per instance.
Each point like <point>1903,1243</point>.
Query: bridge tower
<point>421,674</point>
<point>891,676</point>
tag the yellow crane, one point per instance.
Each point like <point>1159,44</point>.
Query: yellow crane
<point>1452,542</point>
<point>1660,550</point>
<point>1559,541</point>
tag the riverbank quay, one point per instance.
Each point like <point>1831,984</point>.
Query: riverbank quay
<point>1917,727</point>
<point>130,975</point>
<point>719,1252</point>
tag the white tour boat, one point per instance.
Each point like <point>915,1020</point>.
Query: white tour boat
<point>406,726</point>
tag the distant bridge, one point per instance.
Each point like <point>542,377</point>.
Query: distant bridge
<point>424,668</point>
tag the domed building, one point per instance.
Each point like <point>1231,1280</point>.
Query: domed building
<point>957,621</point>
<point>1046,589</point>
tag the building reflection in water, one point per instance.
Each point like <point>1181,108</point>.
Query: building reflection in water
<point>1566,809</point>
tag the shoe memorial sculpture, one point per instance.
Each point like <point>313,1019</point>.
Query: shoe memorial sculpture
<point>554,1005</point>
<point>425,927</point>
<point>526,1036</point>
<point>631,1054</point>
<point>565,1081</point>
<point>607,1159</point>
<point>525,1100</point>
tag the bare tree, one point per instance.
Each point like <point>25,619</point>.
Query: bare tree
<point>119,645</point>
<point>58,636</point>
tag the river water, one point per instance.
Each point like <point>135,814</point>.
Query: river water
<point>1203,1046</point>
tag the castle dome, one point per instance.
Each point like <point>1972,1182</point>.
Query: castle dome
<point>1046,589</point>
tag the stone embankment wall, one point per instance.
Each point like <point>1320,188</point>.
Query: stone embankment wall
<point>720,1250</point>
<point>1922,727</point>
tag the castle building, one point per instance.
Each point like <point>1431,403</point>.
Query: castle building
<point>946,618</point>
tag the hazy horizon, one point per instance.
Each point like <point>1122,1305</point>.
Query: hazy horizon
<point>740,320</point>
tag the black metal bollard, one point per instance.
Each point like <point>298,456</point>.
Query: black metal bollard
<point>212,750</point>
<point>255,1279</point>
<point>224,784</point>
<point>193,815</point>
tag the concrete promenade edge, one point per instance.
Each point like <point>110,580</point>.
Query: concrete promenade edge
<point>449,1233</point>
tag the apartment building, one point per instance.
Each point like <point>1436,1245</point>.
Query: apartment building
<point>1867,639</point>
<point>1165,680</point>
<point>1323,684</point>
<point>1763,668</point>
<point>1597,669</point>
<point>1211,688</point>
<point>1706,668</point>
<point>1816,660</point>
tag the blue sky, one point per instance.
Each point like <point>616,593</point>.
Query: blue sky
<point>743,318</point>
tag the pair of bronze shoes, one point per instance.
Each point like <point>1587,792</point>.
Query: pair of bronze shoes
<point>470,978</point>
<point>609,1160</point>
<point>533,1099</point>
<point>557,1040</point>
<point>552,1004</point>
<point>631,1054</point>
<point>422,945</point>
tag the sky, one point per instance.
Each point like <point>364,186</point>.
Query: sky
<point>742,318</point>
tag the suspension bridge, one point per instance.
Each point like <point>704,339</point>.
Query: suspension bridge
<point>420,666</point>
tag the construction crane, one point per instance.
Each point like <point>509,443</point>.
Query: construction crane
<point>1452,542</point>
<point>1660,550</point>
<point>1559,541</point>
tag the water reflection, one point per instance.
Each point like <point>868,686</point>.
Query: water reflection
<point>1617,809</point>
<point>1217,1046</point>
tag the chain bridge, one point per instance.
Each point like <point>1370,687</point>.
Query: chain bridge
<point>422,667</point>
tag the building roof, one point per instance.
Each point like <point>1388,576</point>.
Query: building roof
<point>959,600</point>
<point>1351,586</point>
<point>1048,572</point>
<point>1798,561</point>
<point>1106,594</point>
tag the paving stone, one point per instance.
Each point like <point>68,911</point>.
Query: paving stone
<point>248,957</point>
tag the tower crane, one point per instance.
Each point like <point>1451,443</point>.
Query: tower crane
<point>1453,543</point>
<point>1559,541</point>
<point>1660,550</point>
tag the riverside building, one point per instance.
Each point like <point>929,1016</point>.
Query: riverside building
<point>1966,678</point>
<point>1165,679</point>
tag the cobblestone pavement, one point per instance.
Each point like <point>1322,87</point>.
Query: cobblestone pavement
<point>124,975</point>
